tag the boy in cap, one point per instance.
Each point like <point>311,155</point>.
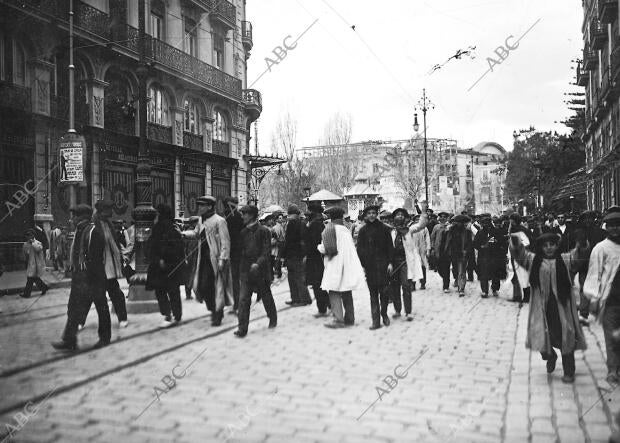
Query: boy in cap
<point>255,275</point>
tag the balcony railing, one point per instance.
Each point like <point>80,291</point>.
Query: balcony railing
<point>221,148</point>
<point>178,60</point>
<point>607,10</point>
<point>192,141</point>
<point>223,11</point>
<point>590,59</point>
<point>96,22</point>
<point>15,97</point>
<point>246,34</point>
<point>159,133</point>
<point>598,34</point>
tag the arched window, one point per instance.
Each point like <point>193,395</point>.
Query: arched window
<point>220,129</point>
<point>191,117</point>
<point>158,108</point>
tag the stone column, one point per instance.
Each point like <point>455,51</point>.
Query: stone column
<point>208,179</point>
<point>95,91</point>
<point>176,117</point>
<point>41,84</point>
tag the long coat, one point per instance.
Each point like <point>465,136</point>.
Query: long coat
<point>35,258</point>
<point>216,232</point>
<point>255,243</point>
<point>376,252</point>
<point>538,338</point>
<point>491,255</point>
<point>166,243</point>
<point>412,255</point>
<point>343,271</point>
<point>314,259</point>
<point>422,244</point>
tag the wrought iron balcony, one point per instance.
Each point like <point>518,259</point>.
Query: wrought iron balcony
<point>246,35</point>
<point>223,12</point>
<point>598,34</point>
<point>221,148</point>
<point>253,103</point>
<point>590,59</point>
<point>607,10</point>
<point>192,141</point>
<point>15,97</point>
<point>159,133</point>
<point>582,76</point>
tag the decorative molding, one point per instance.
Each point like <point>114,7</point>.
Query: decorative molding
<point>98,110</point>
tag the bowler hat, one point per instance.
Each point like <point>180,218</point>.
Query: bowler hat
<point>293,209</point>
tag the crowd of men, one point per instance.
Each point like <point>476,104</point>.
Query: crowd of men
<point>565,266</point>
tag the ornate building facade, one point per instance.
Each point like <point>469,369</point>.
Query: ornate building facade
<point>599,72</point>
<point>199,110</point>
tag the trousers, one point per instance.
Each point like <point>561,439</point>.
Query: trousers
<point>297,280</point>
<point>379,299</point>
<point>339,300</point>
<point>246,289</point>
<point>81,296</point>
<point>169,300</point>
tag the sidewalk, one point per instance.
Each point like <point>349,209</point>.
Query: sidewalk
<point>13,282</point>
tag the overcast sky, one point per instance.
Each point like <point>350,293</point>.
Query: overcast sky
<point>376,72</point>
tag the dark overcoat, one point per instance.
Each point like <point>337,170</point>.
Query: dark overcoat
<point>314,259</point>
<point>166,243</point>
<point>376,251</point>
<point>492,247</point>
<point>255,248</point>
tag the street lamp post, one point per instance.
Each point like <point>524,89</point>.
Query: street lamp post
<point>424,106</point>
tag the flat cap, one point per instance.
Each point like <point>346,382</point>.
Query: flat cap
<point>249,209</point>
<point>370,208</point>
<point>206,200</point>
<point>443,214</point>
<point>548,236</point>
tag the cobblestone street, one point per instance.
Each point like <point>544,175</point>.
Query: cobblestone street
<point>458,372</point>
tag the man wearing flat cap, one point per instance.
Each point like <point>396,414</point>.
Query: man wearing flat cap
<point>212,279</point>
<point>88,280</point>
<point>254,269</point>
<point>295,253</point>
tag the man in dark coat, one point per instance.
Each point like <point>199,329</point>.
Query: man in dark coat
<point>566,233</point>
<point>295,253</point>
<point>376,250</point>
<point>167,266</point>
<point>314,259</point>
<point>254,272</point>
<point>235,225</point>
<point>88,282</point>
<point>492,247</point>
<point>455,248</point>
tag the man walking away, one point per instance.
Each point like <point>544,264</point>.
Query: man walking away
<point>88,281</point>
<point>314,259</point>
<point>254,272</point>
<point>295,253</point>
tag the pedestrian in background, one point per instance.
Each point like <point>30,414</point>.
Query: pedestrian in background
<point>314,259</point>
<point>112,260</point>
<point>553,320</point>
<point>436,236</point>
<point>88,281</point>
<point>234,222</point>
<point>212,279</point>
<point>421,241</point>
<point>602,289</point>
<point>54,238</point>
<point>295,255</point>
<point>492,247</point>
<point>376,252</point>
<point>35,264</point>
<point>279,235</point>
<point>343,270</point>
<point>520,277</point>
<point>167,265</point>
<point>255,275</point>
<point>456,245</point>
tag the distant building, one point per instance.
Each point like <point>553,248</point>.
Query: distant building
<point>392,172</point>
